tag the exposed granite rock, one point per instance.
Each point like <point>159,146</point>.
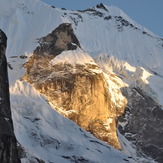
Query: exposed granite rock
<point>79,94</point>
<point>76,91</point>
<point>144,120</point>
<point>8,143</point>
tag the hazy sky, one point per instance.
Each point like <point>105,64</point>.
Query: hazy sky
<point>148,13</point>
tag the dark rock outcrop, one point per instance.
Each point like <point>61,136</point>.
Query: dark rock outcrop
<point>101,6</point>
<point>62,38</point>
<point>143,121</point>
<point>8,143</point>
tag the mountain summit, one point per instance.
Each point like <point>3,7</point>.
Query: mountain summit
<point>96,67</point>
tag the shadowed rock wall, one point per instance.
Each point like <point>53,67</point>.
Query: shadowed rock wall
<point>143,121</point>
<point>8,143</point>
<point>62,38</point>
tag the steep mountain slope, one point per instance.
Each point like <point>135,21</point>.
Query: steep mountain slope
<point>115,53</point>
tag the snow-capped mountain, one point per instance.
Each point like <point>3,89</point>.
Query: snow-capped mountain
<point>96,67</point>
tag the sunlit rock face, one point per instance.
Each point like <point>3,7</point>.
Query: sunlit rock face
<point>8,143</point>
<point>79,91</point>
<point>142,123</point>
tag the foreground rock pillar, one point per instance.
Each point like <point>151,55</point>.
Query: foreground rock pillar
<point>8,143</point>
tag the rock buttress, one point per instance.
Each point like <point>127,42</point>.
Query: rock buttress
<point>8,142</point>
<point>76,91</point>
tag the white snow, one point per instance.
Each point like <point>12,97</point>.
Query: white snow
<point>73,57</point>
<point>114,86</point>
<point>142,74</point>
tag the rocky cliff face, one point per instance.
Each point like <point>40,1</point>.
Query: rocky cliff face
<point>8,143</point>
<point>80,92</point>
<point>143,121</point>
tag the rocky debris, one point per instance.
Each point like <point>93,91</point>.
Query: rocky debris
<point>121,23</point>
<point>143,121</point>
<point>76,18</point>
<point>108,17</point>
<point>8,143</point>
<point>62,38</point>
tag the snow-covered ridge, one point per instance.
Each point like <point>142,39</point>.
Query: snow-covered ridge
<point>73,57</point>
<point>115,11</point>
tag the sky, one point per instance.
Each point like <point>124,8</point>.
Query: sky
<point>148,13</point>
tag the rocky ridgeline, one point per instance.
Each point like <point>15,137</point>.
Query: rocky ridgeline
<point>8,142</point>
